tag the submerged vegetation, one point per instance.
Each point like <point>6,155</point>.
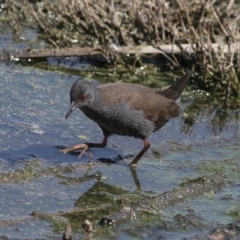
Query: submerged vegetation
<point>177,192</point>
<point>209,31</point>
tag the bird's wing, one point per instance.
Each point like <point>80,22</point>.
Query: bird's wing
<point>156,107</point>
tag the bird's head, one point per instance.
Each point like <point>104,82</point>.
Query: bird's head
<point>82,95</point>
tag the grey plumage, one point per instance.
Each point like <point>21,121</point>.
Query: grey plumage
<point>127,109</point>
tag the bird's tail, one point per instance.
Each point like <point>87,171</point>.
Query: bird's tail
<point>175,90</point>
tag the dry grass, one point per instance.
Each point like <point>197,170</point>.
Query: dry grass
<point>66,23</point>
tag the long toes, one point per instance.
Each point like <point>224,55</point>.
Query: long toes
<point>74,148</point>
<point>85,147</point>
<point>80,155</point>
<point>66,150</point>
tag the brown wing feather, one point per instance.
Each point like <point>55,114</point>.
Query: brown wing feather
<point>156,107</point>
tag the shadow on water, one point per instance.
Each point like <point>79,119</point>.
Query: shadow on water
<point>53,155</point>
<point>36,178</point>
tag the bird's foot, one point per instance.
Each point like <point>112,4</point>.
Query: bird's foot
<point>82,146</point>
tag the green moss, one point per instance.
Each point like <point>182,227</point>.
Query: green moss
<point>229,167</point>
<point>234,213</point>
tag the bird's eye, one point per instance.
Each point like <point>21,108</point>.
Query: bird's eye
<point>82,98</point>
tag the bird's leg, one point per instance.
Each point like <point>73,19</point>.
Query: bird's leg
<point>140,154</point>
<point>85,146</point>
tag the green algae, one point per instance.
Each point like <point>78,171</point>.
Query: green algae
<point>229,166</point>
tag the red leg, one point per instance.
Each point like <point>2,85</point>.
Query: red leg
<point>140,154</point>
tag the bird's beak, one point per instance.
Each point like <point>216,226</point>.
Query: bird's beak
<point>72,107</point>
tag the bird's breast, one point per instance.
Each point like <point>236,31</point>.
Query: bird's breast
<point>120,119</point>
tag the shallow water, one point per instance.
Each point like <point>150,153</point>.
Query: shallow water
<point>33,130</point>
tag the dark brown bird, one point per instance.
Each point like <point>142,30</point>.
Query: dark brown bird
<point>125,109</point>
